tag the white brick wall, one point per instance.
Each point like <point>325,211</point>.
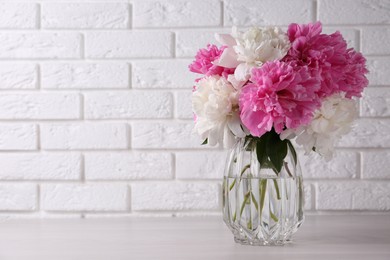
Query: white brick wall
<point>95,114</point>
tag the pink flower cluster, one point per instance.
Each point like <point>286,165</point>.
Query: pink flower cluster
<point>339,68</point>
<point>283,94</point>
<point>204,59</point>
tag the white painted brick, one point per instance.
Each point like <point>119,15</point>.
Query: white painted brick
<point>39,106</point>
<point>128,166</point>
<point>84,136</point>
<point>353,196</point>
<point>354,11</point>
<point>372,39</point>
<point>18,76</point>
<point>207,165</point>
<point>85,75</point>
<point>175,196</point>
<point>188,42</point>
<point>132,104</point>
<point>368,133</point>
<point>308,190</point>
<point>18,15</point>
<point>40,45</point>
<point>164,135</point>
<point>267,12</point>
<point>351,36</point>
<point>85,15</point>
<point>376,102</point>
<point>344,164</point>
<point>376,164</point>
<point>18,197</point>
<point>177,13</point>
<point>379,71</point>
<point>27,166</point>
<point>163,74</point>
<point>18,137</point>
<point>84,197</point>
<point>183,105</point>
<point>128,44</point>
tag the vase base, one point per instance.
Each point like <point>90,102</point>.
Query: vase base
<point>258,242</point>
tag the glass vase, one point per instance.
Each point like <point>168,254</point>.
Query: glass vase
<point>263,198</point>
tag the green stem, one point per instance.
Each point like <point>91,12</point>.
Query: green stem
<point>246,167</point>
<point>277,189</point>
<point>246,197</point>
<point>263,188</point>
<point>287,169</point>
<point>254,201</point>
<point>275,218</point>
<point>232,184</point>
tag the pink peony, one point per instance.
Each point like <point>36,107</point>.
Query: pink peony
<point>341,69</point>
<point>203,63</point>
<point>280,95</point>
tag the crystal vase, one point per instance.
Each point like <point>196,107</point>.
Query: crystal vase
<point>263,198</point>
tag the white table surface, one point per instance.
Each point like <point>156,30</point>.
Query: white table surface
<point>321,237</point>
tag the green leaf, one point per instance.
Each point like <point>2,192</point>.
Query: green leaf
<point>276,150</point>
<point>205,141</point>
<point>293,152</point>
<point>261,150</point>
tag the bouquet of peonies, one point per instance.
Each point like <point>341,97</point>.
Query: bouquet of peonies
<point>265,82</point>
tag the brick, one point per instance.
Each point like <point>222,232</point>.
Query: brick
<point>354,11</point>
<point>128,44</point>
<point>163,74</point>
<point>85,15</point>
<point>18,197</point>
<point>177,13</point>
<point>86,75</point>
<point>84,136</point>
<point>308,190</point>
<point>18,76</point>
<point>18,137</point>
<point>372,36</point>
<point>183,105</point>
<point>40,45</point>
<point>132,104</point>
<point>351,36</point>
<point>376,165</point>
<point>353,196</point>
<point>344,164</point>
<point>267,12</point>
<point>200,165</point>
<point>18,15</point>
<point>84,197</point>
<point>164,135</point>
<point>128,166</point>
<point>39,106</point>
<point>175,196</point>
<point>376,102</point>
<point>188,42</point>
<point>368,133</point>
<point>27,166</point>
<point>378,71</point>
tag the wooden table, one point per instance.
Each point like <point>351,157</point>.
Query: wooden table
<point>365,237</point>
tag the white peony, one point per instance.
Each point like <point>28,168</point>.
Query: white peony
<point>330,122</point>
<point>252,49</point>
<point>215,104</point>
